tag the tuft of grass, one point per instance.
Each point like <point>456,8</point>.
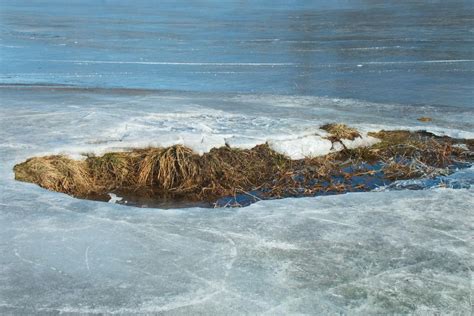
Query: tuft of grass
<point>117,168</point>
<point>146,167</point>
<point>177,172</point>
<point>56,173</point>
<point>177,169</point>
<point>407,154</point>
<point>340,131</point>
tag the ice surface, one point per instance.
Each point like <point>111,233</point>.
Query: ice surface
<point>381,252</point>
<point>387,252</point>
<point>115,121</point>
<point>256,70</point>
<point>408,52</point>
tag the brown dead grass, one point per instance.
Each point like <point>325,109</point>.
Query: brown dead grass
<point>56,173</point>
<point>178,172</point>
<point>411,154</point>
<point>340,131</point>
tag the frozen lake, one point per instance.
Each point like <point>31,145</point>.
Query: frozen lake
<point>410,52</point>
<point>94,76</point>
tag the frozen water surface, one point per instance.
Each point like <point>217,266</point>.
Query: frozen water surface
<point>411,52</point>
<point>95,76</point>
<point>391,251</point>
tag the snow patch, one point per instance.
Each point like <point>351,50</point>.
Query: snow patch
<point>300,148</point>
<point>114,198</point>
<point>363,141</point>
<point>337,146</point>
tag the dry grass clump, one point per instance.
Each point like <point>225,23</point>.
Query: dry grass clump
<point>227,171</point>
<point>340,131</point>
<point>411,154</point>
<point>177,172</point>
<point>421,146</point>
<point>112,169</point>
<point>425,119</point>
<point>56,173</point>
<point>177,168</point>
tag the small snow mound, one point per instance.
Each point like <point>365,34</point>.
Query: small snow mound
<point>114,198</point>
<point>363,141</point>
<point>337,146</point>
<point>304,147</point>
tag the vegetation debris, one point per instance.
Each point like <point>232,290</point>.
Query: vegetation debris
<point>224,174</point>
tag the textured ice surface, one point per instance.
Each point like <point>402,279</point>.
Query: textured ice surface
<point>409,52</point>
<point>75,121</point>
<point>380,252</point>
